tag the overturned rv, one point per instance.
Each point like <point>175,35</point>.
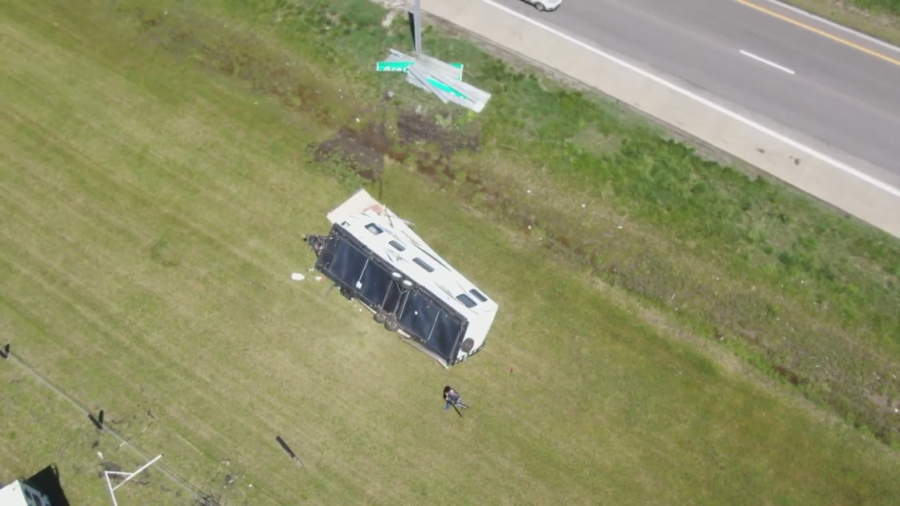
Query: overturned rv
<point>375,257</point>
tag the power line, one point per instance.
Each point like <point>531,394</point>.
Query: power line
<point>202,498</point>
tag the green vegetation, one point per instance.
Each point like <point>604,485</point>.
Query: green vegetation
<point>880,6</point>
<point>879,18</point>
<point>796,289</point>
<point>156,181</point>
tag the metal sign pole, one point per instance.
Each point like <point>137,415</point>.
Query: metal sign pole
<point>417,28</point>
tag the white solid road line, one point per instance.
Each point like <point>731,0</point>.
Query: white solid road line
<point>767,62</point>
<point>709,103</point>
<point>832,24</point>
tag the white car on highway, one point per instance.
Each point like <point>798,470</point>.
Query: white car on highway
<point>545,5</point>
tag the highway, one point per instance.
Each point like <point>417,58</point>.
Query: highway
<point>809,76</point>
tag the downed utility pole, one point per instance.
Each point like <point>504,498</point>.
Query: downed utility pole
<point>287,449</point>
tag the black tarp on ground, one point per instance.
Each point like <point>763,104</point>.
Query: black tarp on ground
<point>48,482</point>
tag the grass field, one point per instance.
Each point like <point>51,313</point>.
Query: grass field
<point>155,186</point>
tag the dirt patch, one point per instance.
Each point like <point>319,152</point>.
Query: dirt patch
<point>789,375</point>
<point>350,149</point>
<point>429,143</point>
<point>110,466</point>
<point>415,127</point>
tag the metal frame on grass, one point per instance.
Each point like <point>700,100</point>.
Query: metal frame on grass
<point>128,476</point>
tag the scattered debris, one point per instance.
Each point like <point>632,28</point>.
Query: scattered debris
<point>100,454</point>
<point>297,276</point>
<point>229,480</point>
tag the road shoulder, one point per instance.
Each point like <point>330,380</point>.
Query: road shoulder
<point>851,185</point>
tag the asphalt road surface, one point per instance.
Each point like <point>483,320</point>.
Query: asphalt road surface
<point>835,86</point>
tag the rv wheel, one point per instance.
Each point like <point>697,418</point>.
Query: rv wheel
<point>391,326</point>
<point>380,317</point>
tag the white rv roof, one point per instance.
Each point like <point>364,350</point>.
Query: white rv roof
<point>413,255</point>
<point>13,495</point>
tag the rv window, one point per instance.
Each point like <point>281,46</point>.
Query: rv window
<point>478,295</point>
<point>423,265</point>
<point>375,229</point>
<point>397,245</point>
<point>468,302</point>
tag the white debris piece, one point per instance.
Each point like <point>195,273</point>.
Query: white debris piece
<point>297,276</point>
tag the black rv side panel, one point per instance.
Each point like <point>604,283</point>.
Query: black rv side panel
<point>344,262</point>
<point>438,330</point>
<point>447,335</point>
<point>374,283</point>
<point>350,265</point>
<point>392,298</point>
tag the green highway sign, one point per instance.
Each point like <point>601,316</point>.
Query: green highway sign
<point>392,66</point>
<point>403,66</point>
<point>443,87</point>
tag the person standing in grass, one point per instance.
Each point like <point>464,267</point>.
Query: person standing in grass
<point>452,398</point>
